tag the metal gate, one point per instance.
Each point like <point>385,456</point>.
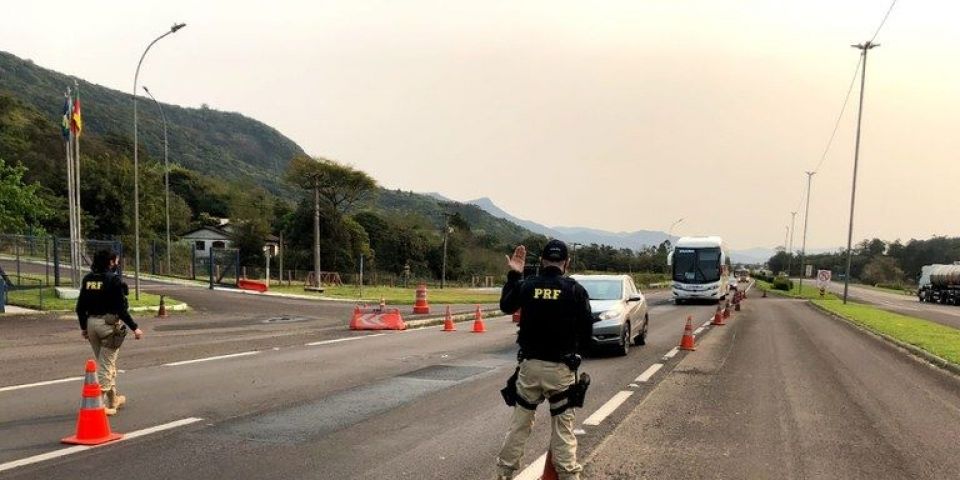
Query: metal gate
<point>223,266</point>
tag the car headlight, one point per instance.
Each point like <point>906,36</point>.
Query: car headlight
<point>610,314</point>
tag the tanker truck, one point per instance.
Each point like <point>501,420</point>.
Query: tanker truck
<point>939,284</point>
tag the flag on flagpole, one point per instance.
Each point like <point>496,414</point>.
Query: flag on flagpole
<point>76,120</point>
<point>65,124</point>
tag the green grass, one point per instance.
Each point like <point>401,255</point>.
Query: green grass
<point>397,295</point>
<point>810,291</point>
<point>28,295</point>
<point>885,289</point>
<point>935,338</point>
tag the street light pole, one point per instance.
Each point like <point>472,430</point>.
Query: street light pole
<point>166,173</point>
<point>573,261</point>
<point>864,48</point>
<point>670,231</point>
<point>793,217</point>
<point>806,217</point>
<point>136,164</point>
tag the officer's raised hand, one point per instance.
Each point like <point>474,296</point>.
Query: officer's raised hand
<point>518,260</point>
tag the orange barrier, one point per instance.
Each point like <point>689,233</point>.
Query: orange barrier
<point>448,325</point>
<point>478,326</point>
<point>687,341</point>
<point>244,284</point>
<point>162,311</point>
<point>549,471</point>
<point>718,317</point>
<point>421,306</point>
<point>376,319</point>
<point>93,428</point>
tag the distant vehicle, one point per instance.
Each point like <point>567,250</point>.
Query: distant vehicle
<point>621,310</point>
<point>742,273</point>
<point>733,283</point>
<point>939,284</point>
<point>699,269</point>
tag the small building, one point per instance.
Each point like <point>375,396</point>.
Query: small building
<point>207,237</point>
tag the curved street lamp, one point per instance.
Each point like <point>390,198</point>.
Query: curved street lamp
<point>166,172</point>
<point>136,164</point>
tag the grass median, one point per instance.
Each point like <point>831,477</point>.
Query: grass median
<point>30,294</point>
<point>399,295</point>
<point>810,291</point>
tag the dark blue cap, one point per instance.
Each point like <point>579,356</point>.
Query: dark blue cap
<point>555,251</point>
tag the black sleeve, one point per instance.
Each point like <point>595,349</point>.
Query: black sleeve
<point>122,305</point>
<point>510,297</point>
<point>584,314</point>
<point>81,309</point>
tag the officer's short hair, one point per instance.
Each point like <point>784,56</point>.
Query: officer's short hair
<point>101,260</point>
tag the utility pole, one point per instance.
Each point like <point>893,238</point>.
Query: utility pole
<point>793,217</point>
<point>573,261</point>
<point>806,217</point>
<point>316,233</point>
<point>446,231</point>
<point>864,48</point>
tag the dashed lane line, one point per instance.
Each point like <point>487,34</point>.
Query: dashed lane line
<point>208,359</point>
<point>608,408</point>
<point>534,470</point>
<point>39,384</point>
<point>80,448</point>
<point>340,340</point>
<point>648,373</point>
<point>672,353</point>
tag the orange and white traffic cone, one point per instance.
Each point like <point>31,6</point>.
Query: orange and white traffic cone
<point>726,309</point>
<point>478,326</point>
<point>93,428</point>
<point>549,471</point>
<point>736,305</point>
<point>162,311</point>
<point>687,342</point>
<point>718,318</point>
<point>421,306</point>
<point>448,325</point>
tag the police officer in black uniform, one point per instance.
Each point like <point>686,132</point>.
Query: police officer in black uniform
<point>556,324</point>
<point>104,317</point>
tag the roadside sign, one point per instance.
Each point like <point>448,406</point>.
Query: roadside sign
<point>809,271</point>
<point>823,278</point>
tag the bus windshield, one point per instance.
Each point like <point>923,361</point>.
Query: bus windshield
<point>696,265</point>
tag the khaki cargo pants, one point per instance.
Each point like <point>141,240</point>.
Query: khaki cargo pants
<point>538,380</point>
<point>100,332</point>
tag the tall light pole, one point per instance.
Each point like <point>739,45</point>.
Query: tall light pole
<point>446,232</point>
<point>166,173</point>
<point>806,217</point>
<point>793,218</point>
<point>136,164</point>
<point>864,48</point>
<point>573,261</point>
<point>670,230</point>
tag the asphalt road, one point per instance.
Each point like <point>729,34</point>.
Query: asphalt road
<point>418,404</point>
<point>948,315</point>
<point>787,392</point>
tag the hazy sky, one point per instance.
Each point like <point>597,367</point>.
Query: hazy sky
<point>618,115</point>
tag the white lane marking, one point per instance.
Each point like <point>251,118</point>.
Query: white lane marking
<point>39,384</point>
<point>208,359</point>
<point>707,323</point>
<point>697,331</point>
<point>672,353</point>
<point>79,448</point>
<point>345,339</point>
<point>534,470</point>
<point>650,372</point>
<point>608,408</point>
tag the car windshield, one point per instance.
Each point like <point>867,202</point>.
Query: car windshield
<point>603,289</point>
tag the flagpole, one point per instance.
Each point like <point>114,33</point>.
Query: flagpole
<point>76,183</point>
<point>68,114</point>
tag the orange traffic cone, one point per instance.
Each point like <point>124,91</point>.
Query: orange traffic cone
<point>726,309</point>
<point>93,428</point>
<point>736,305</point>
<point>162,311</point>
<point>764,294</point>
<point>478,326</point>
<point>421,306</point>
<point>549,471</point>
<point>448,325</point>
<point>718,317</point>
<point>687,340</point>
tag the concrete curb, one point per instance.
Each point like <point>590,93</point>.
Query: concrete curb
<point>183,307</point>
<point>930,358</point>
<point>460,317</point>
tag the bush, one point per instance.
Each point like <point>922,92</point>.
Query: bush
<point>782,282</point>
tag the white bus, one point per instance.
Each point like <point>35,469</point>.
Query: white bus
<point>699,269</point>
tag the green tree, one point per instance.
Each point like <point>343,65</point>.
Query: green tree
<point>22,210</point>
<point>342,186</point>
<point>882,270</point>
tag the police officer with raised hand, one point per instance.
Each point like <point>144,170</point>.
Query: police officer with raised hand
<point>557,323</point>
<point>100,309</point>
